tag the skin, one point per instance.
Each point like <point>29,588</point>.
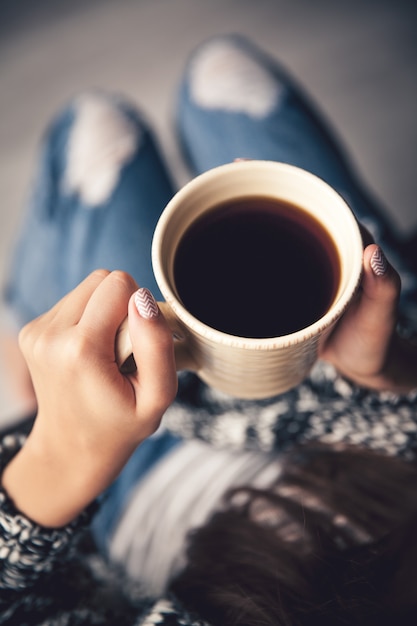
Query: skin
<point>91,417</point>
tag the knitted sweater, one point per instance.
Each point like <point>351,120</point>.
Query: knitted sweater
<point>54,577</point>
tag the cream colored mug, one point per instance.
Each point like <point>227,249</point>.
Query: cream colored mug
<point>247,366</point>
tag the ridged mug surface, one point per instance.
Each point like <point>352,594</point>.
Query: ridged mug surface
<point>248,367</point>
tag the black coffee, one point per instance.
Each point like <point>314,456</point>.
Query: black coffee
<point>256,267</point>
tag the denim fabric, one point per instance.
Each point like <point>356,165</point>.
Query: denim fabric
<point>146,456</point>
<point>234,101</point>
<point>64,238</point>
<point>216,130</point>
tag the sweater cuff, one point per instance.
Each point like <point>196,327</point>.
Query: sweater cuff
<point>28,550</point>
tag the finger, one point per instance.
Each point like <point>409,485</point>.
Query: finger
<point>364,335</point>
<point>374,315</point>
<point>105,310</point>
<point>71,307</point>
<point>153,349</point>
<point>64,313</point>
<point>381,286</point>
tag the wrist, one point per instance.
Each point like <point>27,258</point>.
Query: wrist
<point>47,486</point>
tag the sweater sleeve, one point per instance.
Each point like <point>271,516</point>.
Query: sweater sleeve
<point>28,551</point>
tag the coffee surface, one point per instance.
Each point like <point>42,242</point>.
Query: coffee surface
<point>256,267</point>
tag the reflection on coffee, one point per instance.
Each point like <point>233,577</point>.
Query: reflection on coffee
<point>256,267</point>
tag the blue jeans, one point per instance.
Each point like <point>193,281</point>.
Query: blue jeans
<point>101,184</point>
<point>70,229</point>
<point>117,495</point>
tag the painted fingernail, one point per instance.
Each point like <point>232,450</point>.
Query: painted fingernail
<point>378,262</point>
<point>146,304</point>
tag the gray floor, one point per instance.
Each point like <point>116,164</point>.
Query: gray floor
<point>358,58</point>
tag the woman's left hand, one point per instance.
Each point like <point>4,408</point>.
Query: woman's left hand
<point>364,346</point>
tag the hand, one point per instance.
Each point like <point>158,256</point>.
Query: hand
<point>90,416</point>
<point>364,345</point>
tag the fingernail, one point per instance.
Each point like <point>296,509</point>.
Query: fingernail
<point>378,262</point>
<point>146,304</point>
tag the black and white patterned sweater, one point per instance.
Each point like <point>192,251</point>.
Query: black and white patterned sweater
<point>55,577</point>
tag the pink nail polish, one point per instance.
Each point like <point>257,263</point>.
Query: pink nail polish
<point>378,262</point>
<point>146,304</point>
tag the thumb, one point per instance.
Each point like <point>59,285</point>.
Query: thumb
<point>381,287</point>
<point>155,379</point>
<point>360,343</point>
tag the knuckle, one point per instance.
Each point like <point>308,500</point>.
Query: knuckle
<point>38,350</point>
<point>28,337</point>
<point>51,347</point>
<point>77,349</point>
<point>24,337</point>
<point>124,279</point>
<point>100,273</point>
<point>121,276</point>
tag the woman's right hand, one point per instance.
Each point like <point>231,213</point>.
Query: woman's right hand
<point>90,416</point>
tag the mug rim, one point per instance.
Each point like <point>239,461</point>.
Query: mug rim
<point>205,331</point>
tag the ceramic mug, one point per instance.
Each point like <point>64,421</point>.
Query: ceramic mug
<point>261,364</point>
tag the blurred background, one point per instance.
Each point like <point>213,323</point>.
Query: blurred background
<point>357,58</point>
